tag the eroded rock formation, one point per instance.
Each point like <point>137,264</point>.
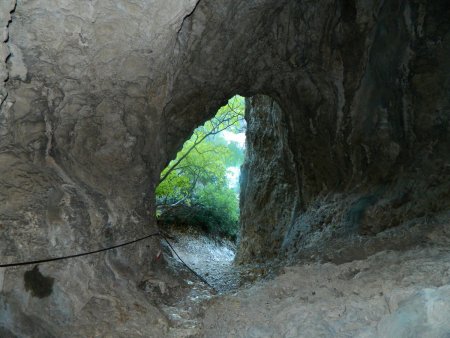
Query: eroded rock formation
<point>270,193</point>
<point>390,294</point>
<point>101,94</point>
<point>81,133</point>
<point>366,136</point>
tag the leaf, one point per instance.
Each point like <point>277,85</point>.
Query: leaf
<point>197,176</point>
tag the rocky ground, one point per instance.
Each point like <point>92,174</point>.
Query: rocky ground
<point>390,294</point>
<point>185,301</point>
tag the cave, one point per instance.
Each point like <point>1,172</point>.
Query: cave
<point>345,182</point>
<point>197,200</point>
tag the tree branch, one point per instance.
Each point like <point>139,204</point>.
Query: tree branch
<point>219,124</point>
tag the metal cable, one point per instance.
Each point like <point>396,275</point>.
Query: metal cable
<point>77,255</point>
<point>195,273</point>
<point>52,259</point>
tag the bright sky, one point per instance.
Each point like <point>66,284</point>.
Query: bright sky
<point>238,138</point>
<point>234,172</point>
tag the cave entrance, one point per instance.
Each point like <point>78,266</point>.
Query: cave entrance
<point>197,199</point>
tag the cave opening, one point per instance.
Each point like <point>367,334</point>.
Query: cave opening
<point>197,198</point>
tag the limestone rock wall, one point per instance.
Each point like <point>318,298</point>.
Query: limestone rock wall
<point>368,129</point>
<point>80,153</point>
<point>5,18</point>
<point>269,182</point>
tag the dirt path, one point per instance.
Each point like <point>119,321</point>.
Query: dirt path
<point>210,258</point>
<point>390,294</point>
<point>213,259</point>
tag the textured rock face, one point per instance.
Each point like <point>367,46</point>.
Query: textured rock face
<point>6,7</point>
<point>269,187</point>
<point>368,129</point>
<point>390,294</point>
<point>101,94</point>
<point>79,151</point>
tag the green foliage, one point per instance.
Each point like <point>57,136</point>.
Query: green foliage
<point>193,189</point>
<point>236,156</point>
<point>220,208</point>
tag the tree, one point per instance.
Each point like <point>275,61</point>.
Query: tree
<point>229,117</point>
<point>195,183</point>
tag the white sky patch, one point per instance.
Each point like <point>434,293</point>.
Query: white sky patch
<point>232,137</point>
<point>233,174</point>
